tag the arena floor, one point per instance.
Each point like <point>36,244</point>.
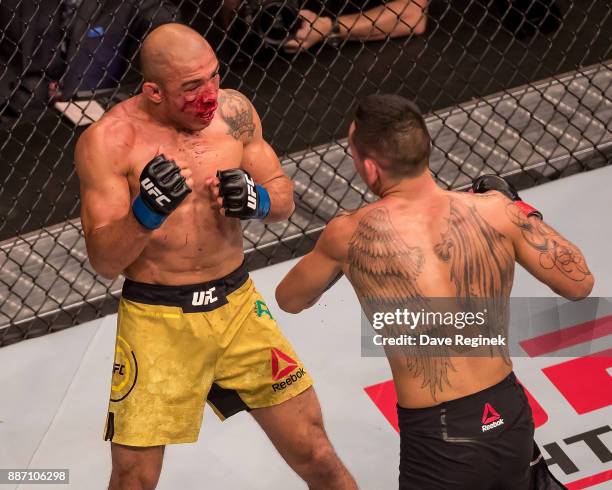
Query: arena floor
<point>55,388</point>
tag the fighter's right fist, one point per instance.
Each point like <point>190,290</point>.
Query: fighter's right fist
<point>162,189</point>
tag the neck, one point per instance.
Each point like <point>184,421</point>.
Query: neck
<point>413,188</point>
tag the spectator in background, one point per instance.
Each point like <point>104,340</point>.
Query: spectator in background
<point>50,50</point>
<point>368,21</point>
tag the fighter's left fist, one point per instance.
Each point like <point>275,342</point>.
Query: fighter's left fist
<point>242,197</point>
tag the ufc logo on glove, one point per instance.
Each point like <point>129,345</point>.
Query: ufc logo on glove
<point>149,186</point>
<point>242,197</point>
<point>252,195</point>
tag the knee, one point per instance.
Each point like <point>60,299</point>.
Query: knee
<point>319,459</point>
<point>135,468</point>
<point>324,456</point>
<point>133,478</point>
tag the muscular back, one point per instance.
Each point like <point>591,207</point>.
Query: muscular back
<point>402,252</point>
<point>450,250</point>
<point>195,243</point>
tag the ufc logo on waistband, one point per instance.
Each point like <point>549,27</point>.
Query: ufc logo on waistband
<point>252,196</point>
<point>154,191</point>
<point>204,297</point>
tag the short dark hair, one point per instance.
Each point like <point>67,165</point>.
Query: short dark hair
<point>392,130</point>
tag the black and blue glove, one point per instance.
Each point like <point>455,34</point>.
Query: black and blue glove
<point>162,189</point>
<point>242,197</point>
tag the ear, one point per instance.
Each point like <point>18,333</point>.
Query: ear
<point>372,173</point>
<point>153,92</point>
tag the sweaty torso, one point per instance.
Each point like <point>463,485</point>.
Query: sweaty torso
<point>405,254</point>
<point>195,243</point>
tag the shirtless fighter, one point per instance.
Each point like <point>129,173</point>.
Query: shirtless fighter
<point>191,326</point>
<point>419,242</point>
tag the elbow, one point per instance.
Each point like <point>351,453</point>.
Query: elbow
<point>104,269</point>
<point>580,290</point>
<point>110,275</point>
<point>287,211</point>
<point>107,273</point>
<point>285,303</point>
<point>99,263</point>
<point>291,208</point>
<point>282,214</point>
<point>293,309</point>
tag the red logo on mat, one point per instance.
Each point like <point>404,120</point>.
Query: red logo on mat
<point>489,415</point>
<point>278,358</point>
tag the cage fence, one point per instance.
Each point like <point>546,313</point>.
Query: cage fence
<point>522,89</point>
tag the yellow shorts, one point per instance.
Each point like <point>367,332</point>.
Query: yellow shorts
<point>180,346</point>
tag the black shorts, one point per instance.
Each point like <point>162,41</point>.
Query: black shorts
<point>483,441</point>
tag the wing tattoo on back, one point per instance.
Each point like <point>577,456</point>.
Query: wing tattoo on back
<point>382,267</point>
<point>479,261</point>
<point>481,267</point>
<point>384,271</point>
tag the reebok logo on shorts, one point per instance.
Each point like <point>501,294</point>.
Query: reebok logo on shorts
<point>283,367</point>
<point>282,364</point>
<point>490,418</point>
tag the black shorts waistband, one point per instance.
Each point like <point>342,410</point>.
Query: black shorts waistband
<point>192,298</point>
<point>468,408</point>
<point>467,399</point>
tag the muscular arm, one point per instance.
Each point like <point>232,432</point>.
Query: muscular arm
<point>549,256</point>
<point>314,273</point>
<point>113,237</point>
<point>259,159</point>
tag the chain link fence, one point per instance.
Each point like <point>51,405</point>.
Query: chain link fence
<point>519,88</point>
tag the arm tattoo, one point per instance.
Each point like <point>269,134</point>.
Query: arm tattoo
<point>384,272</point>
<point>555,251</point>
<point>237,112</point>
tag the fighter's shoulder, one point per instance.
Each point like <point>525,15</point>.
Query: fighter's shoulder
<point>341,228</point>
<point>112,134</point>
<point>230,94</point>
<point>104,147</point>
<point>490,205</point>
<point>232,103</point>
<point>238,113</point>
<point>490,199</point>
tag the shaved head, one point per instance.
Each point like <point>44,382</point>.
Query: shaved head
<point>181,77</point>
<point>170,49</point>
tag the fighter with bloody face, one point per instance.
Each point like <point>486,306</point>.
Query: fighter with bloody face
<point>165,178</point>
<point>203,103</point>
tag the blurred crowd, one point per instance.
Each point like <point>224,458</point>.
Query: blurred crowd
<point>59,50</point>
